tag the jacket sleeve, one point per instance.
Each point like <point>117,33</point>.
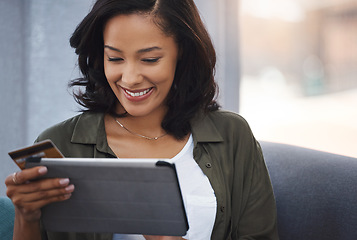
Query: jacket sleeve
<point>258,217</point>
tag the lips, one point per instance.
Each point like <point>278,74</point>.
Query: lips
<point>137,95</point>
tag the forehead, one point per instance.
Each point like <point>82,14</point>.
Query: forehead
<point>133,29</point>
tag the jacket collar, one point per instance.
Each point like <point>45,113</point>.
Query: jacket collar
<point>90,129</point>
<point>87,128</point>
<point>204,129</point>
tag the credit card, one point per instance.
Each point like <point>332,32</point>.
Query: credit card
<point>43,149</point>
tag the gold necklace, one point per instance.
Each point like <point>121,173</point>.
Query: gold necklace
<point>137,134</point>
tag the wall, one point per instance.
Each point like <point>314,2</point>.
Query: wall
<point>36,63</point>
<point>13,89</point>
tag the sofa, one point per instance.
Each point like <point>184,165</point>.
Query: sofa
<point>316,194</point>
<point>7,215</point>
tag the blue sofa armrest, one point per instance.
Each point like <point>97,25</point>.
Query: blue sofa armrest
<point>7,216</point>
<point>316,192</point>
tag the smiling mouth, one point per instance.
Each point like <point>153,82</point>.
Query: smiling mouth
<point>138,93</point>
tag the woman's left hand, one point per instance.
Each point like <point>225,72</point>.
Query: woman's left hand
<point>150,237</point>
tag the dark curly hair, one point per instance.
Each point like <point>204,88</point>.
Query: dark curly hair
<point>193,89</point>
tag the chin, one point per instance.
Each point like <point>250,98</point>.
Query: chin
<point>137,112</point>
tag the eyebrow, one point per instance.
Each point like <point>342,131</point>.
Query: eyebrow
<point>144,50</point>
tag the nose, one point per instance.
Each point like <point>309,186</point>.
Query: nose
<point>131,75</point>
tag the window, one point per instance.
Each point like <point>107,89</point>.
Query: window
<point>299,72</point>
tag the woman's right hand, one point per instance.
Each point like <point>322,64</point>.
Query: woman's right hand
<point>30,195</point>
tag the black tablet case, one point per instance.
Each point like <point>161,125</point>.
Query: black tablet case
<point>128,196</point>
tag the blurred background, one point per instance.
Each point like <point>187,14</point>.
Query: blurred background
<point>299,72</point>
<point>288,66</point>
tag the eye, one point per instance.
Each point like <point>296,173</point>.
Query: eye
<point>114,59</point>
<point>151,60</point>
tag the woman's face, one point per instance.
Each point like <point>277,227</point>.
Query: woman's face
<point>139,63</point>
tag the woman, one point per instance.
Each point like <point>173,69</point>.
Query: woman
<point>148,73</point>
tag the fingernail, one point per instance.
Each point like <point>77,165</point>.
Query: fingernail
<point>64,181</point>
<point>70,188</point>
<point>42,170</point>
<point>66,196</point>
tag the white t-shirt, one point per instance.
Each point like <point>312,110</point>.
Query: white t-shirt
<point>198,197</point>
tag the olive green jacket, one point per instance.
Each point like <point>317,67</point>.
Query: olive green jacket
<point>226,151</point>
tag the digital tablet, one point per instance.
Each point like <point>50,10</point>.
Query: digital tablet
<point>128,196</point>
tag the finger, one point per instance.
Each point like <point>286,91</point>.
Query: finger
<point>19,193</point>
<point>12,179</point>
<point>28,207</point>
<point>25,175</point>
<point>9,180</point>
<point>42,185</point>
<point>38,196</point>
<point>34,201</point>
<point>42,197</point>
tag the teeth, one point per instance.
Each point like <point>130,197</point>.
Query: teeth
<point>137,94</point>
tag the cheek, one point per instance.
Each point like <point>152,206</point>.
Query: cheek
<point>164,74</point>
<point>106,71</point>
<point>110,74</point>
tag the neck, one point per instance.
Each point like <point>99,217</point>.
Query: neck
<point>145,123</point>
<point>148,125</point>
